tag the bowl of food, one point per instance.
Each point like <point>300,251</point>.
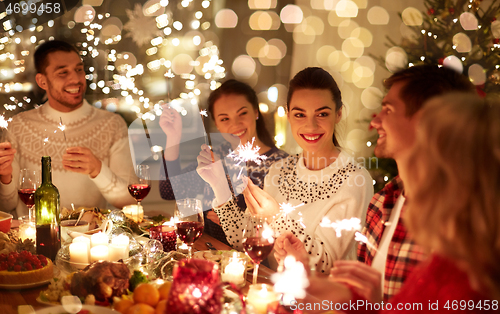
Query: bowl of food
<point>5,222</point>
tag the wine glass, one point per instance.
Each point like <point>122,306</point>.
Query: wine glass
<point>258,241</point>
<point>29,180</point>
<point>189,221</point>
<point>140,185</point>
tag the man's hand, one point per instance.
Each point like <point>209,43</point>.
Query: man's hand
<point>6,157</point>
<point>81,160</point>
<point>364,279</point>
<point>288,244</point>
<point>259,202</point>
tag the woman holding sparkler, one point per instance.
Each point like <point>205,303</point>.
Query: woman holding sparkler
<point>234,107</point>
<point>323,180</point>
<point>452,184</point>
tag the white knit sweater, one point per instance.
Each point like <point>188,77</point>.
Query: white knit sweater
<point>103,132</point>
<point>342,190</point>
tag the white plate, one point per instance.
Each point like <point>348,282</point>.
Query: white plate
<point>47,302</point>
<point>92,308</point>
<point>24,285</point>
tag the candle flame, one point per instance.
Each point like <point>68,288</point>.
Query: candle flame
<point>340,225</point>
<point>196,293</point>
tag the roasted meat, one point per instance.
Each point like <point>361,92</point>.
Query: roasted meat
<point>102,279</point>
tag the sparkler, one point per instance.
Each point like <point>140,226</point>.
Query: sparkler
<point>358,236</point>
<point>3,126</point>
<point>287,208</point>
<point>62,127</point>
<point>204,113</point>
<point>245,153</point>
<point>340,225</point>
<point>292,282</point>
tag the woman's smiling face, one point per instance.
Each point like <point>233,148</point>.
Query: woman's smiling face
<point>312,118</point>
<point>233,114</point>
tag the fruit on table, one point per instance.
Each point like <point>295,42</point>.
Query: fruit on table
<point>146,293</point>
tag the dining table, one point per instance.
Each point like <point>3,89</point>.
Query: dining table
<point>11,300</point>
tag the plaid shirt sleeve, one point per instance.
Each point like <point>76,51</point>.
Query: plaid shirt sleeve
<point>403,254</point>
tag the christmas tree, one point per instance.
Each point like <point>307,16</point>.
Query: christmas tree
<point>461,34</point>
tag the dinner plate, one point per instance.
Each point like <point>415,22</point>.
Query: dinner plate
<point>93,309</point>
<point>24,285</point>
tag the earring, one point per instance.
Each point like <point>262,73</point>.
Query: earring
<point>257,118</point>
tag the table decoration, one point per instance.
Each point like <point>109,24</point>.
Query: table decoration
<point>79,253</point>
<point>260,296</point>
<point>70,225</point>
<point>98,253</point>
<point>166,235</point>
<point>27,228</point>
<point>233,268</point>
<point>134,212</point>
<point>99,238</point>
<point>196,288</point>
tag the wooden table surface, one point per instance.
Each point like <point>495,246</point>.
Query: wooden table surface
<point>11,299</point>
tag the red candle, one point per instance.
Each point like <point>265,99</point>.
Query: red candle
<point>166,235</point>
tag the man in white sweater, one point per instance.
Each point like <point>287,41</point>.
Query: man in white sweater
<point>91,162</point>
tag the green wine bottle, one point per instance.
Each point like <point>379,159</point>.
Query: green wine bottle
<point>48,236</point>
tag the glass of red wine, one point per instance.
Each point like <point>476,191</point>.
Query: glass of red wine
<point>140,185</point>
<point>258,241</point>
<point>189,221</point>
<point>29,180</point>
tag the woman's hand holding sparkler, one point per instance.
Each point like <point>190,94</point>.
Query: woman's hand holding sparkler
<point>213,173</point>
<point>6,157</point>
<point>363,279</point>
<point>288,244</point>
<point>171,124</point>
<point>259,202</point>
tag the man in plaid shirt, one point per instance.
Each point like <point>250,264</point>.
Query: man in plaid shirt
<point>390,253</point>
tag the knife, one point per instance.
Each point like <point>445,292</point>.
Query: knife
<point>210,246</point>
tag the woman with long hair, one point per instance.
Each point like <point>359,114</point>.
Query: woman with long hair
<point>234,108</point>
<point>323,178</point>
<point>452,184</point>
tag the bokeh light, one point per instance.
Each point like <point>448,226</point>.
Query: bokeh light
<point>353,47</point>
<point>396,59</point>
<point>412,17</point>
<point>364,35</point>
<point>262,4</point>
<point>323,53</point>
<point>291,14</point>
<point>468,21</point>
<point>254,45</point>
<point>462,43</point>
<point>346,8</point>
<point>371,97</point>
<point>346,28</point>
<point>378,16</point>
<point>454,63</point>
<point>226,18</point>
<point>182,64</point>
<point>477,74</point>
<point>243,67</point>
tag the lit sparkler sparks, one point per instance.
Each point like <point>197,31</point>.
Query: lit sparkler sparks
<point>245,153</point>
<point>292,282</point>
<point>287,208</point>
<point>358,236</point>
<point>4,123</point>
<point>204,113</point>
<point>62,127</point>
<point>340,225</point>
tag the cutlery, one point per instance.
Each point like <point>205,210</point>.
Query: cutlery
<point>210,246</point>
<point>80,216</point>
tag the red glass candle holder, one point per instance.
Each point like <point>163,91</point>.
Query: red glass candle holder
<point>196,288</point>
<point>166,235</point>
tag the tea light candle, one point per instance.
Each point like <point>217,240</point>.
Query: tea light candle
<point>86,241</point>
<point>259,296</point>
<point>99,252</point>
<point>78,253</point>
<point>27,231</point>
<point>117,252</point>
<point>134,212</point>
<point>122,240</point>
<point>99,239</point>
<point>234,271</point>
